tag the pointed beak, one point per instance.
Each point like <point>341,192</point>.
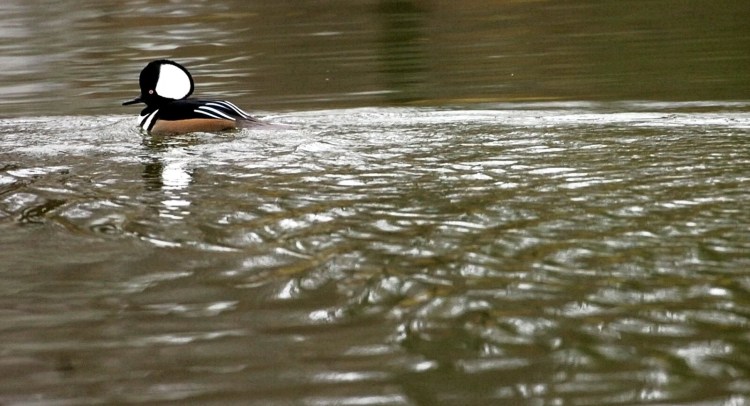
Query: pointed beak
<point>134,101</point>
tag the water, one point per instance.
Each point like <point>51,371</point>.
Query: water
<point>84,57</point>
<point>413,237</point>
<point>573,253</point>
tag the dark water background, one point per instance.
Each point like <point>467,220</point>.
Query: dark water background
<point>80,57</point>
<point>475,203</point>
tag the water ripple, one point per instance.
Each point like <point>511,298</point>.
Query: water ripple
<point>383,256</point>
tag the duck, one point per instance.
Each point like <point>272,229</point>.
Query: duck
<point>165,90</point>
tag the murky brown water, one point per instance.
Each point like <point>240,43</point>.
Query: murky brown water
<point>82,56</point>
<point>470,251</point>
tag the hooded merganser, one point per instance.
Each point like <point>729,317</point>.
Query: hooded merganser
<point>165,86</point>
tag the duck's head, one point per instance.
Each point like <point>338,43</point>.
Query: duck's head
<point>163,81</point>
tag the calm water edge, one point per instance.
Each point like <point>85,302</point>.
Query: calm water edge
<point>473,203</point>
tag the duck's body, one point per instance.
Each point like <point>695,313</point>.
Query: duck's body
<point>165,86</point>
<point>192,115</point>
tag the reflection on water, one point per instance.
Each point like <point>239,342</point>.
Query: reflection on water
<point>169,171</point>
<point>404,49</point>
<point>552,253</point>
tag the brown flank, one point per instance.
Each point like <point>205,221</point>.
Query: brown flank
<point>192,125</point>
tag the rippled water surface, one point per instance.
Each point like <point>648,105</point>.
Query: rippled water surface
<point>468,204</point>
<point>578,253</point>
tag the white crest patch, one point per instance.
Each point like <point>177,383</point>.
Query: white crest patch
<point>173,82</point>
